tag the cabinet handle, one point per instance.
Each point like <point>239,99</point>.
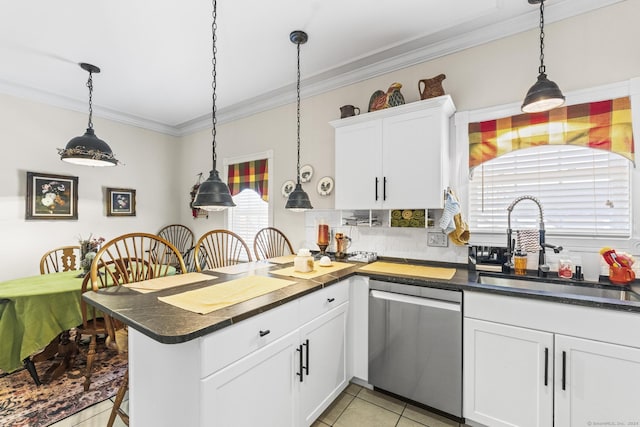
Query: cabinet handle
<point>306,368</point>
<point>300,374</point>
<point>384,188</point>
<point>265,332</point>
<point>377,188</point>
<point>331,299</point>
<point>564,370</point>
<point>546,366</point>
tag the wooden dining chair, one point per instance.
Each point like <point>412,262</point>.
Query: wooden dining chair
<point>220,248</point>
<point>131,258</point>
<point>64,258</point>
<point>180,236</point>
<point>270,243</point>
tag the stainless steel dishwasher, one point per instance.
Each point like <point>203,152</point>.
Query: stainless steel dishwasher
<point>415,344</point>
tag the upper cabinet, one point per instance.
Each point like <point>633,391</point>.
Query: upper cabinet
<point>396,158</point>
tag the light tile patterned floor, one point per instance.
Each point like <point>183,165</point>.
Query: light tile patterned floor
<point>360,407</point>
<point>355,407</point>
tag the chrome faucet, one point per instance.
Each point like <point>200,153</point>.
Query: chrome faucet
<point>543,267</point>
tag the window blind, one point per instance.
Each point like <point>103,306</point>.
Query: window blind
<point>583,191</point>
<point>250,215</point>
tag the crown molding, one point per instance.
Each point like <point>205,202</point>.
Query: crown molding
<point>415,52</point>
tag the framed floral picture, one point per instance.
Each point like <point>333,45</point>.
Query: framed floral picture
<point>51,196</point>
<point>121,202</point>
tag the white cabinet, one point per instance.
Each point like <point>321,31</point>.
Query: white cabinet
<point>395,158</point>
<point>508,375</point>
<point>324,343</point>
<point>596,382</point>
<point>280,368</point>
<point>534,363</point>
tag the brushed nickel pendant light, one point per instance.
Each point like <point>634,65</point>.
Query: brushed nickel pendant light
<point>544,95</point>
<point>88,149</point>
<point>298,200</point>
<point>213,194</point>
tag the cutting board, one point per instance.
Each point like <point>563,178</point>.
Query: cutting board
<point>224,294</point>
<point>409,270</point>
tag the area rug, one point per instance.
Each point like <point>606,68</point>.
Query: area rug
<point>23,404</point>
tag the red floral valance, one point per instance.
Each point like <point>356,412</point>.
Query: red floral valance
<point>253,174</point>
<point>606,125</point>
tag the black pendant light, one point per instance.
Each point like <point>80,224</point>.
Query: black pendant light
<point>88,149</point>
<point>213,194</point>
<point>544,95</point>
<point>298,200</point>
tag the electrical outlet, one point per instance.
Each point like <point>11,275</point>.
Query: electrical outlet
<point>437,239</point>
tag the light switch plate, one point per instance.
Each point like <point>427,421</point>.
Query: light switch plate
<point>437,239</point>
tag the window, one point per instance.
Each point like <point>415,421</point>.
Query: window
<point>583,191</point>
<point>250,214</point>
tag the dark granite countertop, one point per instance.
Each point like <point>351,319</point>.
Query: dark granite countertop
<point>170,325</point>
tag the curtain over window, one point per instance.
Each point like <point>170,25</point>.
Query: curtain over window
<point>605,125</point>
<point>253,175</point>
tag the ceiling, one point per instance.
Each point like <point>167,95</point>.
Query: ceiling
<point>155,56</point>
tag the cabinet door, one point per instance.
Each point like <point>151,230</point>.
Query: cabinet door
<point>358,166</point>
<point>504,375</point>
<point>325,344</point>
<point>257,390</point>
<point>412,160</point>
<point>600,383</point>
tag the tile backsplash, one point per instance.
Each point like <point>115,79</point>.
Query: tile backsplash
<point>385,241</point>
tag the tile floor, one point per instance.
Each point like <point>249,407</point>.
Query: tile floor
<point>355,407</point>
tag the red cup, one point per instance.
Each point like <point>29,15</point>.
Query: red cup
<point>621,275</point>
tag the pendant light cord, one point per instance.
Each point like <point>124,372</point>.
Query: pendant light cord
<point>213,84</point>
<point>90,86</point>
<point>542,68</point>
<point>298,101</point>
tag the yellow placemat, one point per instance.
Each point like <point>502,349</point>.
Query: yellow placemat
<point>281,259</point>
<point>168,282</point>
<point>410,270</point>
<point>222,295</point>
<point>318,270</point>
<point>244,267</point>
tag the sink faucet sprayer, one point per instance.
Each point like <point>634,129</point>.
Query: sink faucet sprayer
<point>543,267</point>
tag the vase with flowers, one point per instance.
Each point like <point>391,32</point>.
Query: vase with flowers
<point>88,249</point>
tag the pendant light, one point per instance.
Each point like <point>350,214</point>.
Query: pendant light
<point>88,149</point>
<point>544,95</point>
<point>213,194</point>
<point>298,200</point>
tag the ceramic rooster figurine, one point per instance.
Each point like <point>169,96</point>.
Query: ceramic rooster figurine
<point>391,98</point>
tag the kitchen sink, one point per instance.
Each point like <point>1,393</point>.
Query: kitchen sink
<point>562,286</point>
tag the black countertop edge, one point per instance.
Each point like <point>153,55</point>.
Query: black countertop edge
<point>158,328</point>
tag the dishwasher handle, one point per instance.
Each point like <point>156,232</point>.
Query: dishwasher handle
<point>422,301</point>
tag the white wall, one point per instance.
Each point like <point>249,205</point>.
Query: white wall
<point>582,52</point>
<point>31,133</point>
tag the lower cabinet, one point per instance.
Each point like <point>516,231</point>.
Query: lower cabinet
<point>521,376</point>
<point>281,368</point>
<point>290,382</point>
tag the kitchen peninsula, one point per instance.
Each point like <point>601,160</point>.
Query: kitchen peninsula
<point>280,359</point>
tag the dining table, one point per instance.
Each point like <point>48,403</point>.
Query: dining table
<point>34,311</point>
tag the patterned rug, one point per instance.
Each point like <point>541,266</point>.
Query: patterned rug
<point>23,404</point>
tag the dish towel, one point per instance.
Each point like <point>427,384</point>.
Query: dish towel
<point>451,221</point>
<point>528,240</point>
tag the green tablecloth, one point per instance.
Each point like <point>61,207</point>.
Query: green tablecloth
<point>33,311</point>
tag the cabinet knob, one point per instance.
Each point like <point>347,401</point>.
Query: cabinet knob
<point>265,332</point>
<point>331,299</point>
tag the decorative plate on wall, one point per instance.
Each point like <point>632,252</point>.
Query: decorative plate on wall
<point>325,186</point>
<point>306,172</point>
<point>287,188</point>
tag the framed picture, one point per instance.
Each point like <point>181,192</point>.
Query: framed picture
<point>306,172</point>
<point>287,188</point>
<point>51,196</point>
<point>121,202</point>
